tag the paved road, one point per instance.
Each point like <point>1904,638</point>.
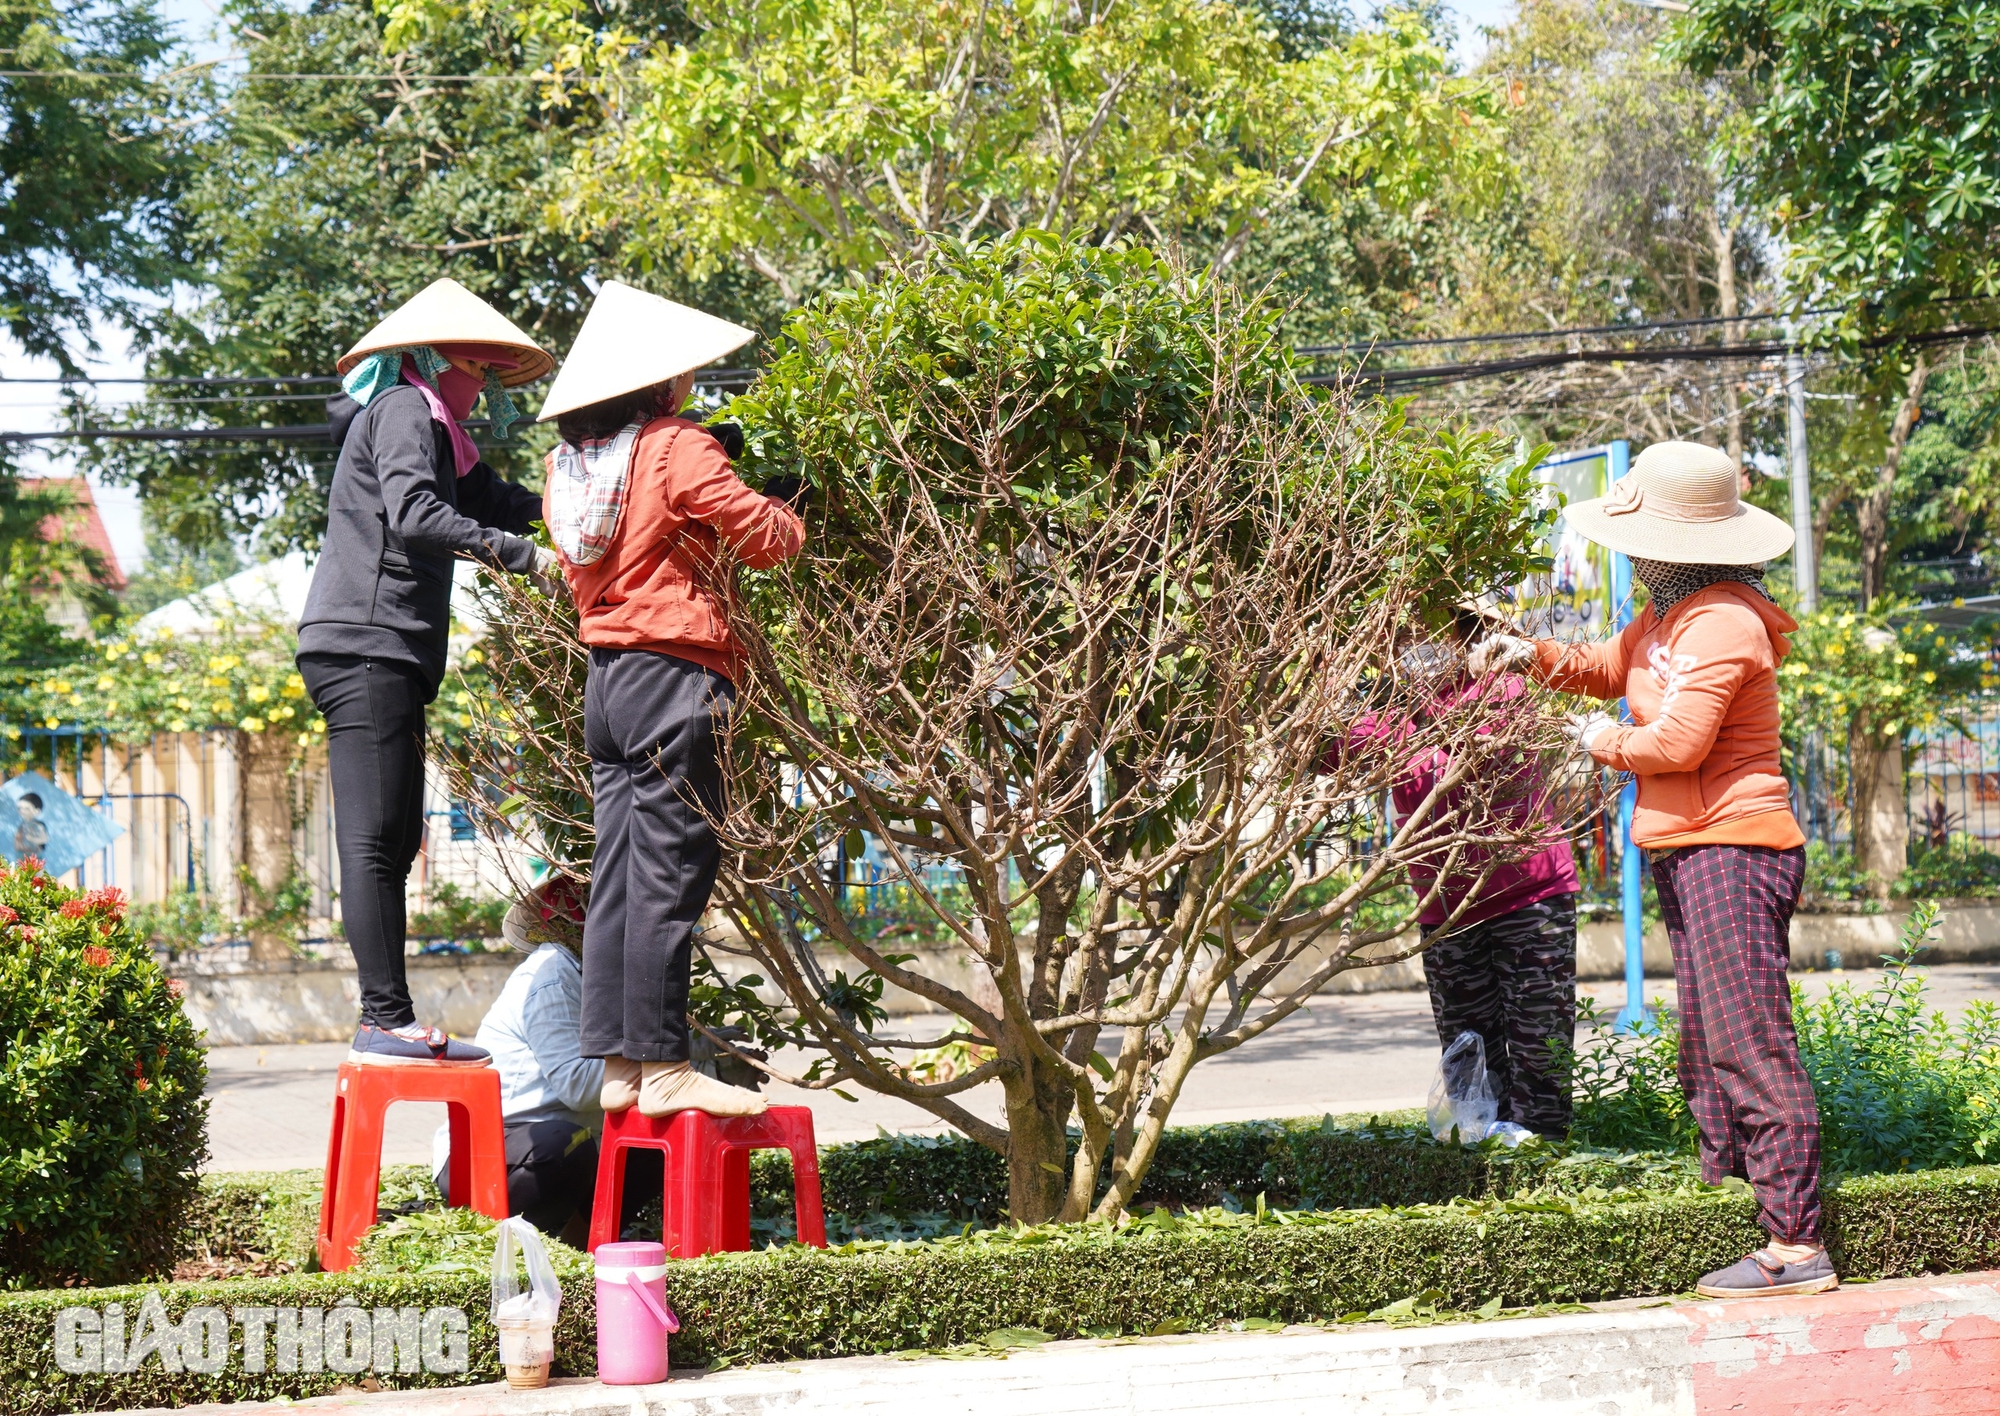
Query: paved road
<point>271,1106</point>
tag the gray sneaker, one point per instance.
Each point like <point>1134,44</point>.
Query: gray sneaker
<point>1763,1274</point>
<point>414,1045</point>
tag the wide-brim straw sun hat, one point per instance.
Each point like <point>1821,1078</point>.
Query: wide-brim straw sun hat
<point>1681,502</point>
<point>631,340</point>
<point>445,312</point>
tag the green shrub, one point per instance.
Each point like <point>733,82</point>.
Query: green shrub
<point>1832,877</point>
<point>1901,1087</point>
<point>1626,1085</point>
<point>1959,870</point>
<point>1333,1163</point>
<point>455,915</point>
<point>181,923</point>
<point>101,1110</point>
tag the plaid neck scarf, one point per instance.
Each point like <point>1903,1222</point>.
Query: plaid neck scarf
<point>1670,583</point>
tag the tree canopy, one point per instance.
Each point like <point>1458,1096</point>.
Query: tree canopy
<point>1872,143</point>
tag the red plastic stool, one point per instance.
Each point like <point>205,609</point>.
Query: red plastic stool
<point>354,1150</point>
<point>707,1175</point>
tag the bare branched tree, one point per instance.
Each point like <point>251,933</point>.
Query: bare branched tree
<point>1124,724</point>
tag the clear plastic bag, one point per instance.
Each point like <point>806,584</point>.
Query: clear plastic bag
<point>1461,1094</point>
<point>540,1300</point>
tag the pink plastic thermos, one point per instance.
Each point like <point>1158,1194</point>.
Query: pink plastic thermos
<point>633,1318</point>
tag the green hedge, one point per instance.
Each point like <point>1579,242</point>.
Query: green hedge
<point>1192,1272</point>
<point>34,1385</point>
<point>1331,1163</point>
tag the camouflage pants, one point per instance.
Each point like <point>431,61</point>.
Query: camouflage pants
<point>1512,980</point>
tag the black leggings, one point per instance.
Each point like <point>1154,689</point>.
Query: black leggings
<point>374,711</point>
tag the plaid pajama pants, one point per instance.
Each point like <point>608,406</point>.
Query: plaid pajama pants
<point>1727,911</point>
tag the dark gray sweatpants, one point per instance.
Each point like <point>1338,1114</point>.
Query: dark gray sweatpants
<point>650,723</point>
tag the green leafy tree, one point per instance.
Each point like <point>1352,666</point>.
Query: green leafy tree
<point>316,206</point>
<point>803,140</point>
<point>92,156</point>
<point>38,563</point>
<point>1617,209</point>
<point>1872,149</point>
<point>1869,682</point>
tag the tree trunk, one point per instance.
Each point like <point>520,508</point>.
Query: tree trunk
<point>1873,517</point>
<point>1880,822</point>
<point>1038,1108</point>
<point>267,832</point>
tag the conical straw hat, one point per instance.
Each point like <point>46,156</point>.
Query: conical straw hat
<point>1682,502</point>
<point>445,312</point>
<point>632,340</point>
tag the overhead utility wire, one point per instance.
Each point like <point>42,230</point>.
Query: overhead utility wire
<point>286,432</point>
<point>1362,346</point>
<point>1433,375</point>
<point>252,75</point>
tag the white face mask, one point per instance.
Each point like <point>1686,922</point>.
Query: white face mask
<point>1425,660</point>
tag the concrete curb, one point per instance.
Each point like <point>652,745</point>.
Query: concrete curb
<point>1911,1347</point>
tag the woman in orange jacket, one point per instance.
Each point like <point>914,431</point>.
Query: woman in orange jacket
<point>646,512</point>
<point>1698,670</point>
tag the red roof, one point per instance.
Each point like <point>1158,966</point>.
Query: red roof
<point>83,525</point>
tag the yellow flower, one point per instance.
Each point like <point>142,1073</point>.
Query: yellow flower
<point>53,723</point>
<point>474,656</point>
<point>461,699</point>
<point>149,660</point>
<point>1939,641</point>
<point>1846,621</point>
<point>1929,676</point>
<point>220,707</point>
<point>258,693</point>
<point>185,705</point>
<point>178,725</point>
<point>60,686</point>
<point>106,683</point>
<point>284,711</point>
<point>252,725</point>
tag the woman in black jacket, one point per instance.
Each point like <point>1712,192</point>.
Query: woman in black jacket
<point>409,497</point>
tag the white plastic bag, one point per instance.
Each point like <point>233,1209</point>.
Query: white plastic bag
<point>1462,1092</point>
<point>542,1298</point>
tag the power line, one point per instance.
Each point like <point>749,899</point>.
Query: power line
<point>254,76</point>
<point>181,379</point>
<point>1435,375</point>
<point>1362,346</point>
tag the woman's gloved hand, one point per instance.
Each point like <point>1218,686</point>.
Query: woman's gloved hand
<point>1587,728</point>
<point>793,490</point>
<point>1499,654</point>
<point>730,435</point>
<point>546,573</point>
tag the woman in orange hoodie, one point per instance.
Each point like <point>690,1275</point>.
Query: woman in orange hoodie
<point>1698,671</point>
<point>649,518</point>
